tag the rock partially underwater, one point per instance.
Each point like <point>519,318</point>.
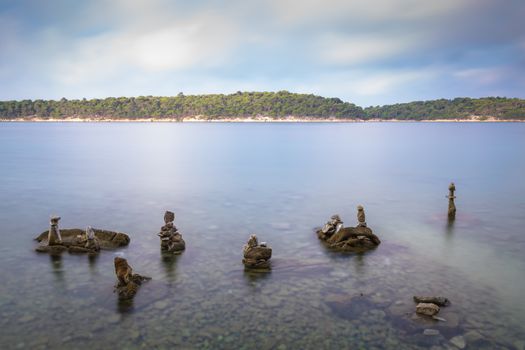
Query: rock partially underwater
<point>128,283</point>
<point>170,238</point>
<point>90,241</point>
<point>348,239</point>
<point>256,256</point>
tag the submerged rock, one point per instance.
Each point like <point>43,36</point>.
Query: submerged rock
<point>351,239</point>
<point>256,256</point>
<point>127,282</point>
<point>170,238</point>
<point>459,341</point>
<point>427,309</point>
<point>91,241</point>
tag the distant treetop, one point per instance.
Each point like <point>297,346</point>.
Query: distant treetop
<point>280,104</point>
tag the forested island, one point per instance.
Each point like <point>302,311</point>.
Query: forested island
<point>263,106</point>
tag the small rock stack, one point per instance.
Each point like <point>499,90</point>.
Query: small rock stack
<point>170,239</point>
<point>451,204</point>
<point>54,237</point>
<point>332,226</point>
<point>256,256</point>
<point>349,239</point>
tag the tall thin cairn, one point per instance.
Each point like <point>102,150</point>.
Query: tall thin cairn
<point>451,204</point>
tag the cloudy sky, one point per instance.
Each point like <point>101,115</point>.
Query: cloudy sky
<point>368,52</point>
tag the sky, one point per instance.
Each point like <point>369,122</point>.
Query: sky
<point>371,52</point>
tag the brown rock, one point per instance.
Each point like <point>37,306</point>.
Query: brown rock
<point>169,216</point>
<point>427,309</point>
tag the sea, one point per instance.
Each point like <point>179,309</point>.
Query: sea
<point>280,181</point>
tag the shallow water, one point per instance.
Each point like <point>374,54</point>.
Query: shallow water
<point>225,181</point>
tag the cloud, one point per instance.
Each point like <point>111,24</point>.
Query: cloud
<point>483,76</point>
<point>295,11</point>
<point>201,41</point>
<point>374,51</point>
<point>351,50</point>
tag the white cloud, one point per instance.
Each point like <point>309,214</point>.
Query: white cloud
<point>350,50</point>
<point>202,41</point>
<point>371,10</point>
<point>483,76</point>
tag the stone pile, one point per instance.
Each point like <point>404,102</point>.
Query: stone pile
<point>170,238</point>
<point>451,204</point>
<point>256,256</point>
<point>350,239</point>
<point>56,241</point>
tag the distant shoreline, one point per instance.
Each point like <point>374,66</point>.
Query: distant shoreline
<point>254,120</point>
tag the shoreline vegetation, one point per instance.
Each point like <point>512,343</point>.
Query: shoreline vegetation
<point>280,106</point>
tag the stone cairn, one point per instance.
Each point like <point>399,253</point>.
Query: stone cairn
<point>170,239</point>
<point>127,282</point>
<point>54,237</point>
<point>330,228</point>
<point>256,256</point>
<point>451,204</point>
<point>429,306</point>
<point>352,239</point>
<point>90,241</point>
<point>55,241</point>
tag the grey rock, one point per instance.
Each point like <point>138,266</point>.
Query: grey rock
<point>473,336</point>
<point>459,341</point>
<point>429,331</point>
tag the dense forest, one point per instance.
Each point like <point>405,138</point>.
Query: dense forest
<point>458,108</point>
<point>281,104</point>
<point>247,104</point>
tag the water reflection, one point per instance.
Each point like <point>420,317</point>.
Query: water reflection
<point>169,263</point>
<point>450,226</point>
<point>125,306</point>
<point>57,267</point>
<point>92,259</point>
<point>251,277</point>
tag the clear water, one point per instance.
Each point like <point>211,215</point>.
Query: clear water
<point>226,181</point>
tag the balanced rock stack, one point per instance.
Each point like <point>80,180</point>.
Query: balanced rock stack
<point>331,227</point>
<point>451,204</point>
<point>170,239</point>
<point>256,256</point>
<point>352,239</point>
<point>127,282</point>
<point>74,240</point>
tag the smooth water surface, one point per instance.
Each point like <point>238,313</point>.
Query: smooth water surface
<point>226,181</point>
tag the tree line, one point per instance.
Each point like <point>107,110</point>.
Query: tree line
<point>251,104</point>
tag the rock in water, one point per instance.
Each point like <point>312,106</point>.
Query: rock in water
<point>350,239</point>
<point>429,331</point>
<point>170,239</point>
<point>427,309</point>
<point>127,282</point>
<point>459,341</point>
<point>451,204</point>
<point>440,301</point>
<point>91,241</point>
<point>256,256</point>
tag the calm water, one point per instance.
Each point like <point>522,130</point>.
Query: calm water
<point>225,181</point>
